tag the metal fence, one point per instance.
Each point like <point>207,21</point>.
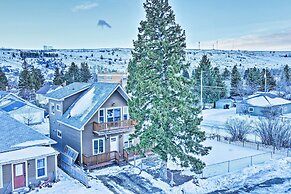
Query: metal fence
<point>253,145</point>
<point>67,164</point>
<point>234,165</point>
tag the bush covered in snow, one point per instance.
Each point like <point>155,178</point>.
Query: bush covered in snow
<point>238,128</point>
<point>274,131</point>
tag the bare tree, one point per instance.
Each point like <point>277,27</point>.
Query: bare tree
<point>274,131</point>
<point>238,128</point>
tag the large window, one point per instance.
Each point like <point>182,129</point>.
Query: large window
<point>1,177</point>
<point>98,146</point>
<point>113,114</point>
<point>41,168</point>
<point>101,116</point>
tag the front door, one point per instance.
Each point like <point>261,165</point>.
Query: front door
<point>114,144</point>
<point>19,175</point>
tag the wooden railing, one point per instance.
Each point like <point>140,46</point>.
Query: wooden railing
<point>113,125</point>
<point>101,158</point>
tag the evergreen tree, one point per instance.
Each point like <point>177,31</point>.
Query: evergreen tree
<point>58,79</point>
<point>3,80</point>
<point>236,82</point>
<point>24,77</point>
<point>286,74</point>
<point>268,80</point>
<point>220,86</point>
<point>85,74</point>
<point>36,79</point>
<point>225,74</point>
<point>163,101</point>
<point>186,74</point>
<point>252,80</point>
<point>73,74</point>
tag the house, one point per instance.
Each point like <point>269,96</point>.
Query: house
<point>114,77</point>
<point>262,104</point>
<point>26,157</point>
<point>40,94</point>
<point>21,109</point>
<point>93,120</point>
<point>224,103</point>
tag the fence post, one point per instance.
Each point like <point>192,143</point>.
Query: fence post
<point>228,168</point>
<point>271,155</point>
<point>258,145</point>
<point>251,160</point>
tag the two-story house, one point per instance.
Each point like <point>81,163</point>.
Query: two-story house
<point>92,119</point>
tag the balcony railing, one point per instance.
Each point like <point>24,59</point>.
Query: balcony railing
<point>116,126</point>
<point>100,159</point>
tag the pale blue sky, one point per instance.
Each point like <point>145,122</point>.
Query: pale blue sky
<point>223,24</point>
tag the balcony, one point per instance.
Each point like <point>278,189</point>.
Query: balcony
<point>101,160</point>
<point>113,127</point>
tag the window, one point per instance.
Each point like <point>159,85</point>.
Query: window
<point>41,168</point>
<point>53,108</point>
<point>98,146</point>
<point>125,113</point>
<point>126,142</point>
<point>251,109</point>
<point>1,177</point>
<point>113,114</point>
<point>59,134</point>
<point>101,116</point>
<point>58,107</point>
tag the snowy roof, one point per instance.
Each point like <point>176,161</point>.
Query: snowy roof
<point>11,102</point>
<point>225,100</point>
<point>68,90</point>
<point>88,103</point>
<point>27,154</point>
<point>3,93</point>
<point>15,135</point>
<point>46,88</point>
<point>266,99</point>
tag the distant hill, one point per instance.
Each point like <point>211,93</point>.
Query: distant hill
<point>116,59</point>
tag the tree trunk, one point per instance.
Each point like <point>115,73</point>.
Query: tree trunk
<point>163,170</point>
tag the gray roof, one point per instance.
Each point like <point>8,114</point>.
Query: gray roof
<point>46,88</point>
<point>93,98</point>
<point>12,133</point>
<point>68,90</point>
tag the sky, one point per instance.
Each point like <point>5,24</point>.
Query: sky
<point>218,24</point>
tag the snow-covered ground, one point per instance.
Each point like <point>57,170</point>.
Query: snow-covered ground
<point>271,177</point>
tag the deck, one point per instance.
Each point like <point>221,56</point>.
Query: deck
<point>113,127</point>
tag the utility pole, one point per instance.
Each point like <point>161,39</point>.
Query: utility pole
<point>199,45</point>
<point>201,97</point>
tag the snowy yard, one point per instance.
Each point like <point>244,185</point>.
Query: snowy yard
<point>271,177</point>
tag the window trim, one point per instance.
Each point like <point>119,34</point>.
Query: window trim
<point>104,115</point>
<point>128,144</point>
<point>112,108</point>
<point>45,168</point>
<point>58,109</point>
<point>93,150</point>
<point>251,109</point>
<point>123,112</point>
<point>59,136</point>
<point>1,176</point>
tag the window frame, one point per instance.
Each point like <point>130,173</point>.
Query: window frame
<point>52,110</point>
<point>45,168</point>
<point>126,142</point>
<point>93,144</point>
<point>123,113</point>
<point>113,114</point>
<point>59,136</point>
<point>58,107</point>
<point>104,113</point>
<point>251,109</point>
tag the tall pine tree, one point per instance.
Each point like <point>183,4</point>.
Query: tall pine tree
<point>253,79</point>
<point>163,101</point>
<point>236,82</point>
<point>36,79</point>
<point>3,80</point>
<point>268,82</point>
<point>85,74</point>
<point>24,77</point>
<point>58,78</point>
<point>73,74</point>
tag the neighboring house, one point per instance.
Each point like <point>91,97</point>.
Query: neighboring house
<point>41,93</point>
<point>224,104</point>
<point>21,109</point>
<point>262,104</point>
<point>92,119</point>
<point>114,77</point>
<point>26,157</point>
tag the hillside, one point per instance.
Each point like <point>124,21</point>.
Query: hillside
<point>116,59</point>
